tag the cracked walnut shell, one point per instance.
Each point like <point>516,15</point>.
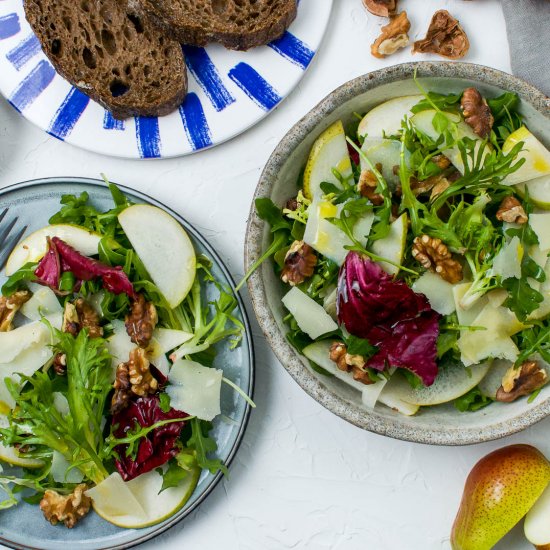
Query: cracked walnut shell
<point>300,261</point>
<point>521,381</point>
<point>433,255</point>
<point>477,113</point>
<point>132,378</point>
<point>9,306</point>
<point>141,321</point>
<point>349,363</point>
<point>511,211</point>
<point>66,508</point>
<point>394,36</point>
<point>445,37</point>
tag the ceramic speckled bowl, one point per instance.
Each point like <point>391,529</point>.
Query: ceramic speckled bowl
<point>441,425</point>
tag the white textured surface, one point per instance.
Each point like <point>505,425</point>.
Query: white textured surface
<point>303,478</point>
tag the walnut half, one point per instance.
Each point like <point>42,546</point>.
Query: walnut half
<point>68,509</point>
<point>9,306</point>
<point>477,114</point>
<point>141,321</point>
<point>394,36</point>
<point>445,37</point>
<point>132,378</point>
<point>300,261</point>
<point>433,255</point>
<point>382,8</point>
<point>521,381</point>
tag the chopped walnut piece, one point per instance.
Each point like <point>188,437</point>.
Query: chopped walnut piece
<point>382,8</point>
<point>133,377</point>
<point>9,306</point>
<point>521,381</point>
<point>349,363</point>
<point>441,161</point>
<point>300,260</point>
<point>511,211</point>
<point>441,185</point>
<point>445,37</point>
<point>141,321</point>
<point>367,186</point>
<point>66,508</point>
<point>88,318</point>
<point>60,364</point>
<point>432,254</point>
<point>81,315</point>
<point>435,184</point>
<point>394,36</point>
<point>477,113</point>
<point>292,204</point>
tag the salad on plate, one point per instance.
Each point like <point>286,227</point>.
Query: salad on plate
<point>109,326</point>
<point>414,255</point>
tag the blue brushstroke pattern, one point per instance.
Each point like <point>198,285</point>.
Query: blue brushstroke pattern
<point>254,86</point>
<point>111,123</point>
<point>9,25</point>
<point>32,85</point>
<point>148,137</point>
<point>208,77</point>
<point>68,114</point>
<point>293,49</point>
<point>25,50</point>
<point>195,123</point>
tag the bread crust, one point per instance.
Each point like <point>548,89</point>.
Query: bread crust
<point>107,52</point>
<point>172,17</point>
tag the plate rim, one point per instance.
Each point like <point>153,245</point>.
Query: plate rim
<point>180,515</point>
<point>289,358</point>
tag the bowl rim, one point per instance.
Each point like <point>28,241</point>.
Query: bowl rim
<point>286,354</point>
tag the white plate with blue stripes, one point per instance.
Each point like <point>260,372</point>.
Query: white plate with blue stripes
<point>228,91</point>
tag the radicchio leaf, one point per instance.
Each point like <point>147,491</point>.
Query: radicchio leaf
<point>390,315</point>
<point>48,270</point>
<point>62,257</point>
<point>154,450</point>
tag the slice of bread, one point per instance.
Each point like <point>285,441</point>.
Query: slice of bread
<point>237,24</point>
<point>119,59</point>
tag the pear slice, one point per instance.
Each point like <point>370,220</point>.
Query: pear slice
<point>537,522</point>
<point>164,248</point>
<point>385,119</point>
<point>392,247</point>
<point>451,382</point>
<point>540,224</point>
<point>493,379</point>
<point>139,503</point>
<point>310,316</point>
<point>33,247</point>
<point>536,155</point>
<point>386,153</point>
<point>423,122</point>
<point>43,302</point>
<point>330,151</point>
<point>539,191</point>
<point>318,352</point>
<point>499,491</point>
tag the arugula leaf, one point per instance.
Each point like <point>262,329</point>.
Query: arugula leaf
<point>414,381</point>
<point>164,402</point>
<point>472,401</point>
<point>504,104</point>
<point>433,100</point>
<point>522,298</point>
<point>533,339</point>
<point>16,281</point>
<point>172,476</point>
<point>203,445</point>
<point>360,346</point>
<point>270,213</point>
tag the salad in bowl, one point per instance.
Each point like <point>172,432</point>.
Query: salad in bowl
<point>413,253</point>
<point>110,324</point>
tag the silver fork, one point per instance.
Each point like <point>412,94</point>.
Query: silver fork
<point>7,241</point>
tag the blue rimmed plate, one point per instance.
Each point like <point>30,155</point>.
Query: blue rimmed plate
<point>229,91</point>
<point>24,526</point>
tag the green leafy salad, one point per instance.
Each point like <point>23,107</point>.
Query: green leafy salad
<point>415,253</point>
<point>108,328</point>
